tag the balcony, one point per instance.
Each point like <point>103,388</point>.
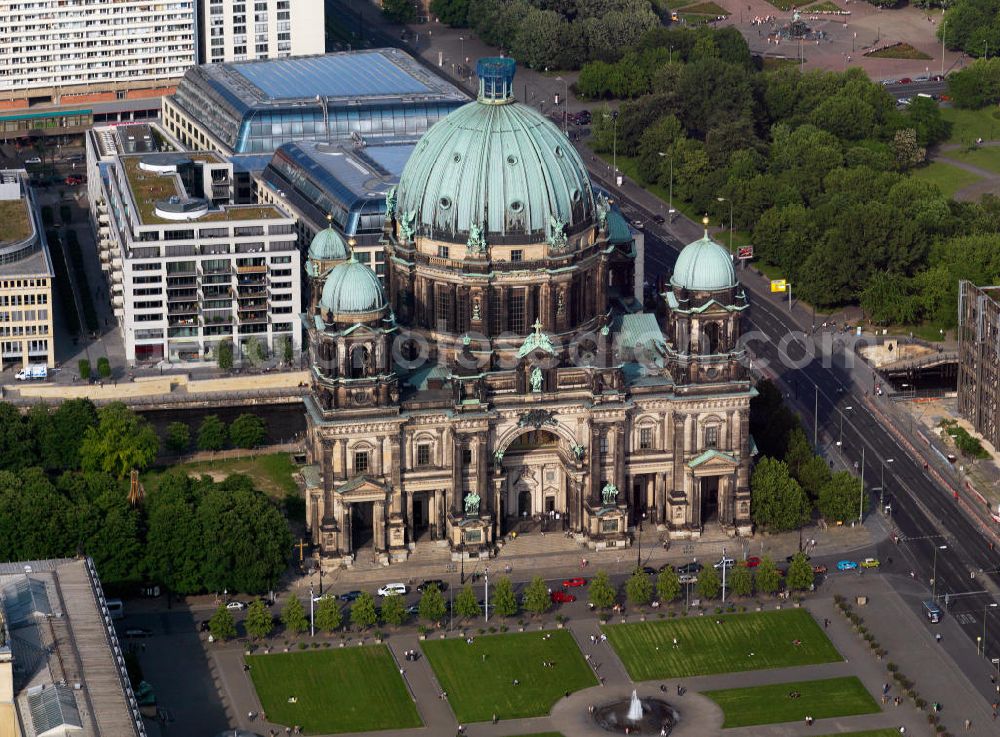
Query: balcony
<point>182,295</point>
<point>183,322</point>
<point>251,293</point>
<point>182,283</point>
<point>183,308</point>
<point>262,269</point>
<point>253,318</point>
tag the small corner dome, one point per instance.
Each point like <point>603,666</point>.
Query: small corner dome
<point>704,266</point>
<point>352,289</point>
<point>328,245</point>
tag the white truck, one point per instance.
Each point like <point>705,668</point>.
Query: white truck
<point>32,371</point>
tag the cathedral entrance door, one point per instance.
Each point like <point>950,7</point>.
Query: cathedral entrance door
<point>709,499</point>
<point>421,515</point>
<point>362,536</point>
<point>524,503</point>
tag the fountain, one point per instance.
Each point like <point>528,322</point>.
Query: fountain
<point>636,716</point>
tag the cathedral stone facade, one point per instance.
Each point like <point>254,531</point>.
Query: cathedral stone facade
<point>508,373</point>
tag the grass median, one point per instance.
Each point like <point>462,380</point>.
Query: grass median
<point>793,702</point>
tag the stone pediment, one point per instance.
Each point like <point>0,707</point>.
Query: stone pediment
<point>362,489</point>
<point>713,462</point>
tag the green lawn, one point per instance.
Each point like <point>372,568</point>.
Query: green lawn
<point>354,689</point>
<point>825,6</point>
<point>272,473</point>
<point>479,677</point>
<point>968,125</point>
<point>889,732</point>
<point>987,157</point>
<point>950,179</point>
<point>706,8</point>
<point>830,697</point>
<point>741,642</point>
<point>554,734</point>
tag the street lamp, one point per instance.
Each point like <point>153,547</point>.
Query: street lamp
<point>881,494</point>
<point>565,104</point>
<point>723,199</point>
<point>934,571</point>
<point>944,29</point>
<point>486,601</point>
<point>840,443</point>
<point>986,609</point>
<point>312,611</point>
<point>462,39</point>
<point>670,201</point>
<point>614,146</point>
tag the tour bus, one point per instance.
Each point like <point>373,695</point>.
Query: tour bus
<point>933,611</point>
<point>116,609</point>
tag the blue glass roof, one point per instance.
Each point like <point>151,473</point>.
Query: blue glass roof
<point>366,74</point>
<point>391,157</point>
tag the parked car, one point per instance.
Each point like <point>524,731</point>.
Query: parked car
<point>562,597</point>
<point>819,570</point>
<point>424,585</point>
<point>870,563</point>
<point>649,570</point>
<point>846,565</point>
<point>237,605</point>
<point>692,568</point>
<point>318,599</point>
<point>724,563</point>
<point>138,632</point>
<point>350,595</point>
<point>33,160</point>
<point>664,567</point>
<point>904,80</point>
<point>574,582</point>
<point>753,561</point>
<point>393,589</point>
<point>658,219</point>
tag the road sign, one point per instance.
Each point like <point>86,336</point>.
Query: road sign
<point>744,252</point>
<point>779,285</point>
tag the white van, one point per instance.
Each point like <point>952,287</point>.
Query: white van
<point>393,589</point>
<point>33,371</point>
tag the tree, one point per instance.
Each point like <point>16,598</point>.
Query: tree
<point>813,474</point>
<point>766,577</point>
<point>638,588</point>
<point>363,614</point>
<point>740,580</point>
<point>709,585</point>
<point>286,349</point>
<point>399,11</point>
<point>466,604</point>
<point>800,573</point>
<point>221,625</point>
<point>779,504</point>
<point>602,594</point>
<point>178,437</point>
<point>504,599</point>
<point>454,13</point>
<point>174,548</point>
<point>258,622</point>
<point>83,366</point>
<point>247,431</point>
<point>293,616</point>
<point>122,441</point>
<point>16,443</point>
<point>536,596</point>
<point>212,433</point>
<point>393,610</point>
<point>59,436</point>
<point>432,606</point>
<point>245,538</point>
<point>668,586</point>
<point>327,615</point>
<point>799,451</point>
<point>907,152</point>
<point>841,498</point>
<point>224,355</point>
<point>104,367</point>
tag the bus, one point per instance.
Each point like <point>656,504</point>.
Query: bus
<point>116,609</point>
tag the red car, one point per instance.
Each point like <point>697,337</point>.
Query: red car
<point>753,561</point>
<point>562,597</point>
<point>904,80</point>
<point>571,583</point>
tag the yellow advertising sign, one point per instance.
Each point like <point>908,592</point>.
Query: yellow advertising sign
<point>779,285</point>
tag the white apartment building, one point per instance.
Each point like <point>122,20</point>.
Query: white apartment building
<point>26,333</point>
<point>241,30</point>
<point>76,52</point>
<point>188,268</point>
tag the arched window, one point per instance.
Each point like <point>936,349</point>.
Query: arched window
<point>359,361</point>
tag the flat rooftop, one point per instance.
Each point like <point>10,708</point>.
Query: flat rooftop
<point>367,171</point>
<point>148,188</point>
<point>15,221</point>
<point>344,78</point>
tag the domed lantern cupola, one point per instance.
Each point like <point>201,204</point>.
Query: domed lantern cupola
<point>496,80</point>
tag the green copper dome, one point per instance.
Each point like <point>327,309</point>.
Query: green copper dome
<point>704,266</point>
<point>496,164</point>
<point>352,289</point>
<point>328,245</point>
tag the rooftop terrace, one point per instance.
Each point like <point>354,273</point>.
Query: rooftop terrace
<point>15,221</point>
<point>148,188</point>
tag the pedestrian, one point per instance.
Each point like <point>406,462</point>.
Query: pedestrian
<point>826,623</point>
<point>494,717</point>
<point>675,642</point>
<point>968,724</point>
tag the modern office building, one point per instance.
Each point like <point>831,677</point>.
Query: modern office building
<point>64,63</point>
<point>26,332</point>
<point>342,185</point>
<point>189,268</point>
<point>979,358</point>
<point>256,106</point>
<point>506,373</point>
<point>242,30</point>
<point>62,670</point>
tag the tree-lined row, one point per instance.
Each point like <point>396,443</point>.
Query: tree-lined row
<point>246,431</point>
